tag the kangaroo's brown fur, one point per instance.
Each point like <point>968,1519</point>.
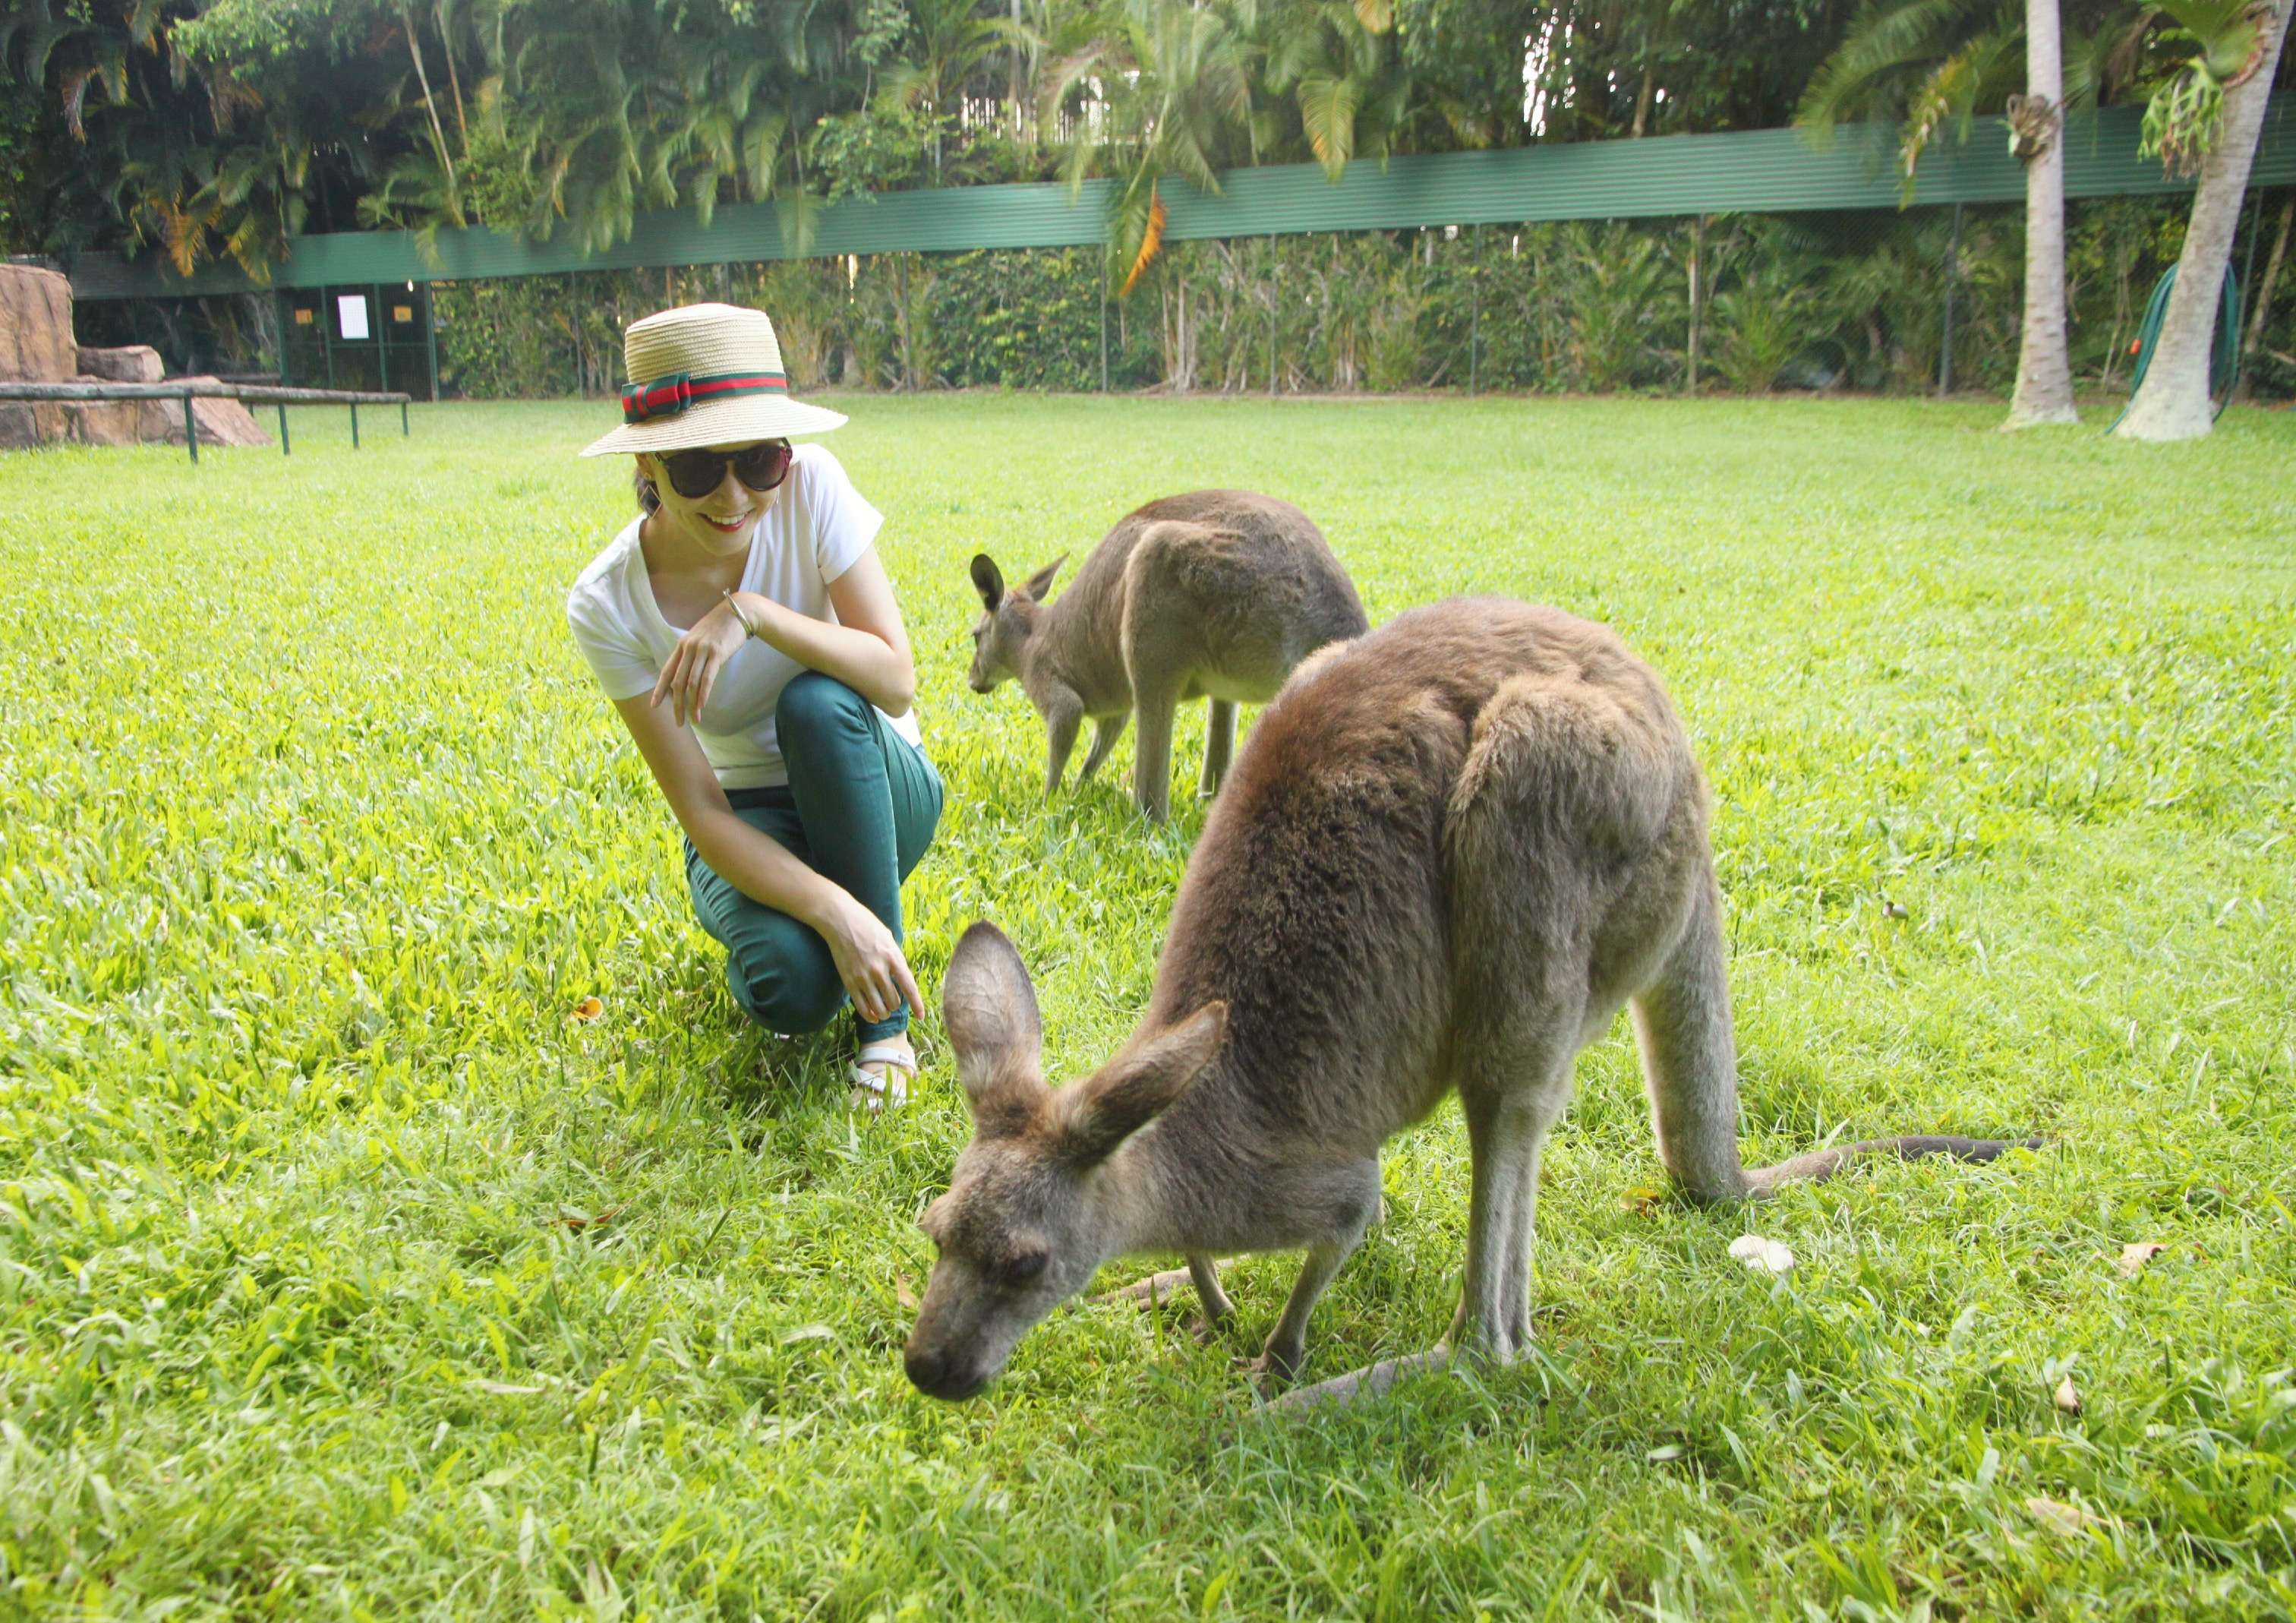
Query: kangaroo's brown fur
<point>1451,850</point>
<point>1216,593</point>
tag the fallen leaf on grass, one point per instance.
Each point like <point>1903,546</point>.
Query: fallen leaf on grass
<point>2068,1396</point>
<point>503,1388</point>
<point>577,1222</point>
<point>2059,1516</point>
<point>1762,1256</point>
<point>2136,1254</point>
<point>903,1292</point>
<point>1643,1198</point>
<point>808,1332</point>
<point>1660,1455</point>
<point>588,1009</point>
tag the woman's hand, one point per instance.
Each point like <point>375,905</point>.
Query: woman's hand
<point>869,960</point>
<point>700,658</point>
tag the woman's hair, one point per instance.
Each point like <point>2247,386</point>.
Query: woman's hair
<point>649,498</point>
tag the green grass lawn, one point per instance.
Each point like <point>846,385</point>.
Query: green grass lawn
<point>341,1273</point>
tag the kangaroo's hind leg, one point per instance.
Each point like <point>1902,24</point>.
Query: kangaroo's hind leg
<point>1152,748</point>
<point>1512,1089</point>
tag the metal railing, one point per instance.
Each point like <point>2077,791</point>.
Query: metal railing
<point>188,390</point>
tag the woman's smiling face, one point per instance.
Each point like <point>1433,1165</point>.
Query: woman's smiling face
<point>720,521</point>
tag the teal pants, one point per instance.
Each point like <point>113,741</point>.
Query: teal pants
<point>860,808</point>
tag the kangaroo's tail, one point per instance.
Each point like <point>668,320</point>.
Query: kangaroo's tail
<point>1761,1180</point>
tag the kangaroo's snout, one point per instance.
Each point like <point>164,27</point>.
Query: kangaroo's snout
<point>934,1374</point>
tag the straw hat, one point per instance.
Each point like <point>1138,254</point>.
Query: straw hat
<point>706,375</point>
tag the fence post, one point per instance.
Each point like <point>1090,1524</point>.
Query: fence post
<point>279,320</point>
<point>1697,244</point>
<point>284,448</point>
<point>190,427</point>
<point>1475,316</point>
<point>430,332</point>
<point>1103,274</point>
<point>355,425</point>
<point>1945,344</point>
<point>908,351</point>
<point>1274,309</point>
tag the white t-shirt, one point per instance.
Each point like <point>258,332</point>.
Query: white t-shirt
<point>815,529</point>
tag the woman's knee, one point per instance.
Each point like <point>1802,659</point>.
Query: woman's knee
<point>816,709</point>
<point>782,995</point>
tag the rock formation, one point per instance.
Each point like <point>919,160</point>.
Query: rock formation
<point>37,347</point>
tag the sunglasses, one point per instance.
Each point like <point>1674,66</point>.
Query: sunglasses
<point>762,467</point>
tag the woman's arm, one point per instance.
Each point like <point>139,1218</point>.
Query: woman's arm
<point>867,648</point>
<point>869,960</point>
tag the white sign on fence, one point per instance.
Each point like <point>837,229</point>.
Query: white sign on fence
<point>352,309</point>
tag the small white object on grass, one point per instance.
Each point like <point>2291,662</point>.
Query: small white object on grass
<point>2065,1519</point>
<point>2136,1254</point>
<point>1762,1256</point>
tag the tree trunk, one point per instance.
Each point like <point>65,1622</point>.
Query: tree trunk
<point>2263,295</point>
<point>2172,403</point>
<point>423,77</point>
<point>454,82</point>
<point>2044,377</point>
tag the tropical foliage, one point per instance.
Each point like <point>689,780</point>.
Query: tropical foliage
<point>216,128</point>
<point>1851,301</point>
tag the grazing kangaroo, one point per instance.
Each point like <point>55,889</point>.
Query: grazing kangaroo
<point>1217,592</point>
<point>1452,849</point>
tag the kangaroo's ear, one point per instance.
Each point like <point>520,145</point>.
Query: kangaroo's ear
<point>988,580</point>
<point>1132,1090</point>
<point>1041,582</point>
<point>988,1008</point>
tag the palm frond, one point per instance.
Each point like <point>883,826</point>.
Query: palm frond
<point>1887,38</point>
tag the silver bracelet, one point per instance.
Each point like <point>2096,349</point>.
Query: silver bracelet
<point>748,630</point>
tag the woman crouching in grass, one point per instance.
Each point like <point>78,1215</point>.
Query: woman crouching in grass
<point>745,630</point>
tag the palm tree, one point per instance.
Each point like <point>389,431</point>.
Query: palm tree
<point>1173,80</point>
<point>1936,64</point>
<point>176,149</point>
<point>620,108</point>
<point>2211,109</point>
<point>1336,59</point>
<point>2044,374</point>
<point>954,42</point>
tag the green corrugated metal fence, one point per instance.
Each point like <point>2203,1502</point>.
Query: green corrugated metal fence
<point>1768,171</point>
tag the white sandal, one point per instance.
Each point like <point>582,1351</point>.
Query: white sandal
<point>878,1094</point>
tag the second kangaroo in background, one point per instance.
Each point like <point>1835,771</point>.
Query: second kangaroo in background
<point>1216,593</point>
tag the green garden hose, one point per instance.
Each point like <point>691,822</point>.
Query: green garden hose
<point>2224,361</point>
